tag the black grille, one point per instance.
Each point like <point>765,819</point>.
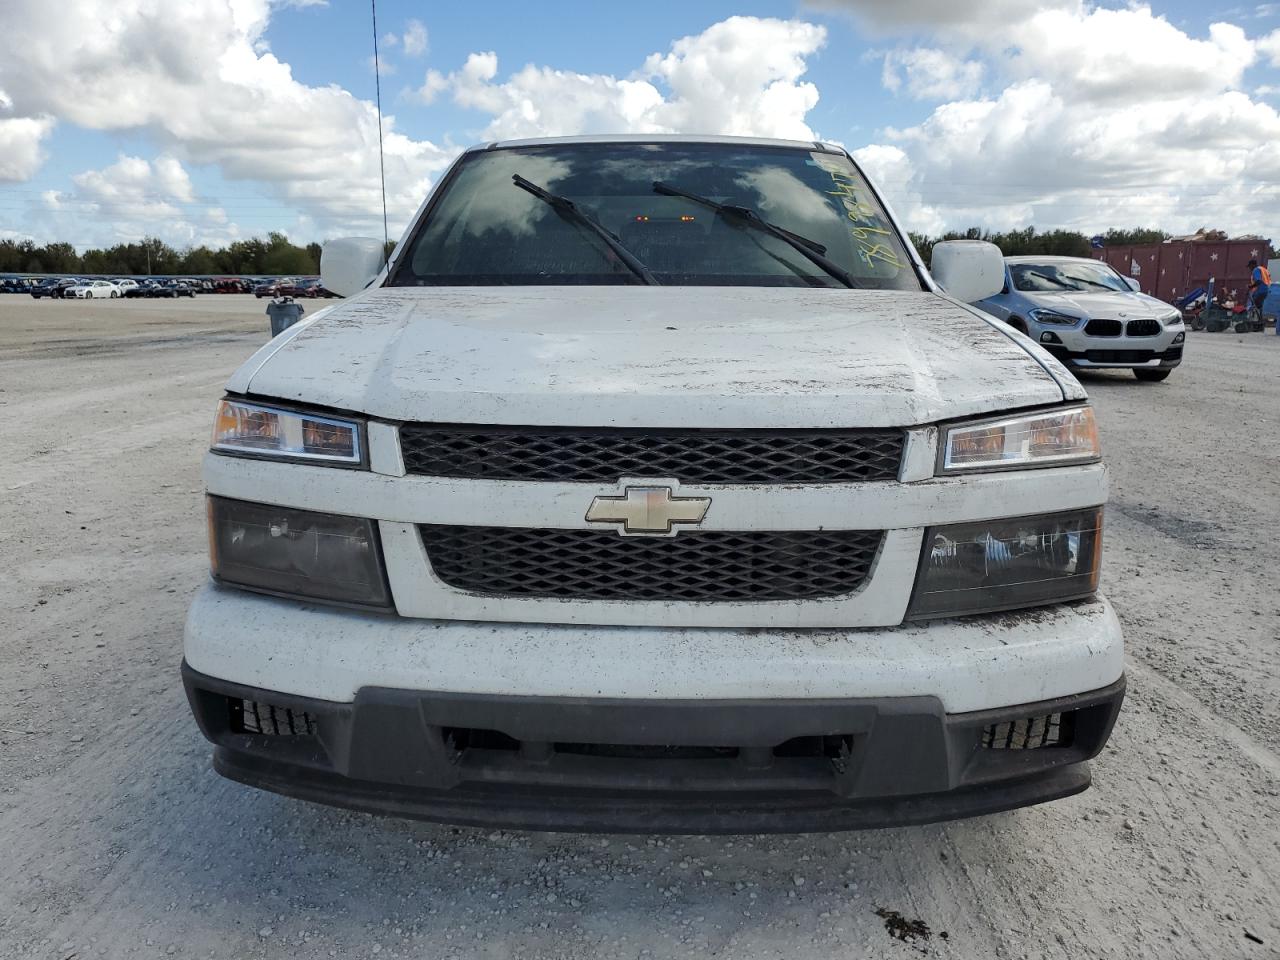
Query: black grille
<point>693,566</point>
<point>1119,356</point>
<point>269,720</point>
<point>1098,327</point>
<point>1028,733</point>
<point>1143,328</point>
<point>693,456</point>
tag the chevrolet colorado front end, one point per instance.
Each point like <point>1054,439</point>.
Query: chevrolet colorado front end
<point>654,485</point>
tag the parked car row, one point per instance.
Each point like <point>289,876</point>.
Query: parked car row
<point>70,288</point>
<point>58,288</point>
<point>310,287</point>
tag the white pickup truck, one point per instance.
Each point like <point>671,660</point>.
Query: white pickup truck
<point>654,484</point>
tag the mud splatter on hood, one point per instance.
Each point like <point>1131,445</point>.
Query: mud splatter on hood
<point>650,356</point>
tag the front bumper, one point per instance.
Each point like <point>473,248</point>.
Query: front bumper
<point>1082,350</point>
<point>702,766</point>
<point>976,663</point>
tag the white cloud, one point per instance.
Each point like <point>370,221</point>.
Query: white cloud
<point>973,17</point>
<point>415,38</point>
<point>1269,46</point>
<point>1098,118</point>
<point>1129,54</point>
<point>134,180</point>
<point>128,200</point>
<point>739,76</point>
<point>20,146</point>
<point>931,74</point>
<point>203,85</point>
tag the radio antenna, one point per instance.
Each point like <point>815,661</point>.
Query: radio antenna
<point>377,86</point>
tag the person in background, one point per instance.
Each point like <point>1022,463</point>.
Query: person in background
<point>1259,284</point>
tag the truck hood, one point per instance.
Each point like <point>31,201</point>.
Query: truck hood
<point>654,356</point>
<point>1102,304</point>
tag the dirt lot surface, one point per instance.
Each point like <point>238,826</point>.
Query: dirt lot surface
<point>116,839</point>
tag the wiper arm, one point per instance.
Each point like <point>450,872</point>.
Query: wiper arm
<point>1045,276</point>
<point>1099,284</point>
<point>570,211</point>
<point>810,249</point>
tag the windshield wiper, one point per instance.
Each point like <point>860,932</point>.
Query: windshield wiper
<point>1099,284</point>
<point>810,249</point>
<point>570,211</point>
<point>1054,280</point>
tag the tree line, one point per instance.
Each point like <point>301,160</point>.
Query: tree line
<point>273,256</point>
<point>1063,243</point>
<point>278,256</point>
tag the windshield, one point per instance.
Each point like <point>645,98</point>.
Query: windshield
<point>485,228</point>
<point>1065,277</point>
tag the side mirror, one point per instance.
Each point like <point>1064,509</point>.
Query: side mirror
<point>1131,283</point>
<point>969,270</point>
<point>349,265</point>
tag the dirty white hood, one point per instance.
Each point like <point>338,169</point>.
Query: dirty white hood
<point>652,356</point>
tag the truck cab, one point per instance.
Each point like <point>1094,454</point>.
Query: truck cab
<point>654,484</point>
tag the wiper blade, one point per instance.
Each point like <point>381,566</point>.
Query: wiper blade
<point>810,249</point>
<point>570,211</point>
<point>1051,279</point>
<point>1099,284</point>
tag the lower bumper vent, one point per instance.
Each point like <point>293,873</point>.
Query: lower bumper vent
<point>1028,733</point>
<point>268,720</point>
<point>1120,356</point>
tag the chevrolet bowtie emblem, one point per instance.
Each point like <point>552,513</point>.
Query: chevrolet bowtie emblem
<point>648,510</point>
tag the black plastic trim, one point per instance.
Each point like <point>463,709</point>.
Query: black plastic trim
<point>912,763</point>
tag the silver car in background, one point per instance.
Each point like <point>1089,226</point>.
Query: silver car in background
<point>1088,316</point>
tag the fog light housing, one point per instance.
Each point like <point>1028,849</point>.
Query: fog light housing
<point>297,553</point>
<point>1049,337</point>
<point>989,565</point>
<point>1179,338</point>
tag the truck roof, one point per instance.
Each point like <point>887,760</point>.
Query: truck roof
<point>660,138</point>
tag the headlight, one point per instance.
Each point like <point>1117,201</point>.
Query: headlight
<point>252,430</point>
<point>298,553</point>
<point>1042,315</point>
<point>991,565</point>
<point>1171,319</point>
<point>1050,438</point>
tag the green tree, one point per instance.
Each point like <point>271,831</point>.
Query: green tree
<point>198,261</point>
<point>1135,235</point>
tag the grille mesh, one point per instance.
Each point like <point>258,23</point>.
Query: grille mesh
<point>698,566</point>
<point>1148,327</point>
<point>582,455</point>
<point>1103,327</point>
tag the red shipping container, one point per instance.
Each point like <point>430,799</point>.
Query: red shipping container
<point>1171,269</point>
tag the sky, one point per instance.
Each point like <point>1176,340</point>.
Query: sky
<point>207,121</point>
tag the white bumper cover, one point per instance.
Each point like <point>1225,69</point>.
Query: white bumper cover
<point>972,664</point>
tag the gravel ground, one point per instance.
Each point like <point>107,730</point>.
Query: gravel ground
<point>116,839</point>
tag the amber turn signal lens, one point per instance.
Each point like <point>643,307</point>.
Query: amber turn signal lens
<point>253,430</point>
<point>1047,438</point>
